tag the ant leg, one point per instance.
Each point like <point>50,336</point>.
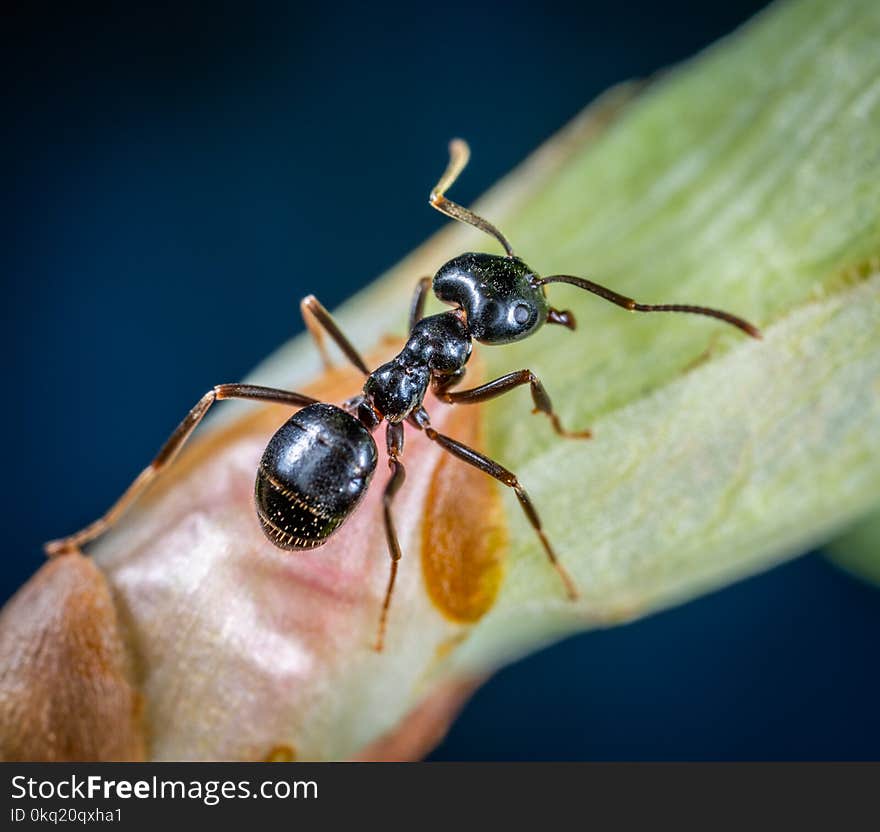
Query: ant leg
<point>502,385</point>
<point>508,478</point>
<point>417,307</point>
<point>318,321</point>
<point>394,443</point>
<point>440,384</point>
<point>316,332</point>
<point>167,454</point>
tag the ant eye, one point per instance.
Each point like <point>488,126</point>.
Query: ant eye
<point>521,313</point>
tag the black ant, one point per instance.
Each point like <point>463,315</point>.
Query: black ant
<point>318,466</point>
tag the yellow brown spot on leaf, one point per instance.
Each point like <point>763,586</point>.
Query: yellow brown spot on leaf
<point>281,754</point>
<point>463,535</point>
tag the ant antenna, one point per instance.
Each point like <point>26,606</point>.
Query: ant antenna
<point>459,153</point>
<point>633,306</point>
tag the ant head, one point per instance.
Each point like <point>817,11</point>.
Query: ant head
<point>502,297</point>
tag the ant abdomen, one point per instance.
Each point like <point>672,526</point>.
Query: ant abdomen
<point>313,473</point>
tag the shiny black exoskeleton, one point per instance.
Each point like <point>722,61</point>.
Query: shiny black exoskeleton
<point>501,296</point>
<point>437,346</point>
<point>318,465</point>
<point>497,299</point>
<point>313,473</point>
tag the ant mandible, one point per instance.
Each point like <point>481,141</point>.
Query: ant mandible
<point>318,465</point>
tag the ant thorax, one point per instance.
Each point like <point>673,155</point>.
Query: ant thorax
<point>438,345</point>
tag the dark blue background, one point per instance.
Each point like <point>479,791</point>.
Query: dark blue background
<point>177,179</point>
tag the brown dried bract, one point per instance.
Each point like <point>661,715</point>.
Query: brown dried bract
<point>65,689</point>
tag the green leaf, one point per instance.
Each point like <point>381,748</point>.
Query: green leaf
<point>858,549</point>
<point>747,179</point>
